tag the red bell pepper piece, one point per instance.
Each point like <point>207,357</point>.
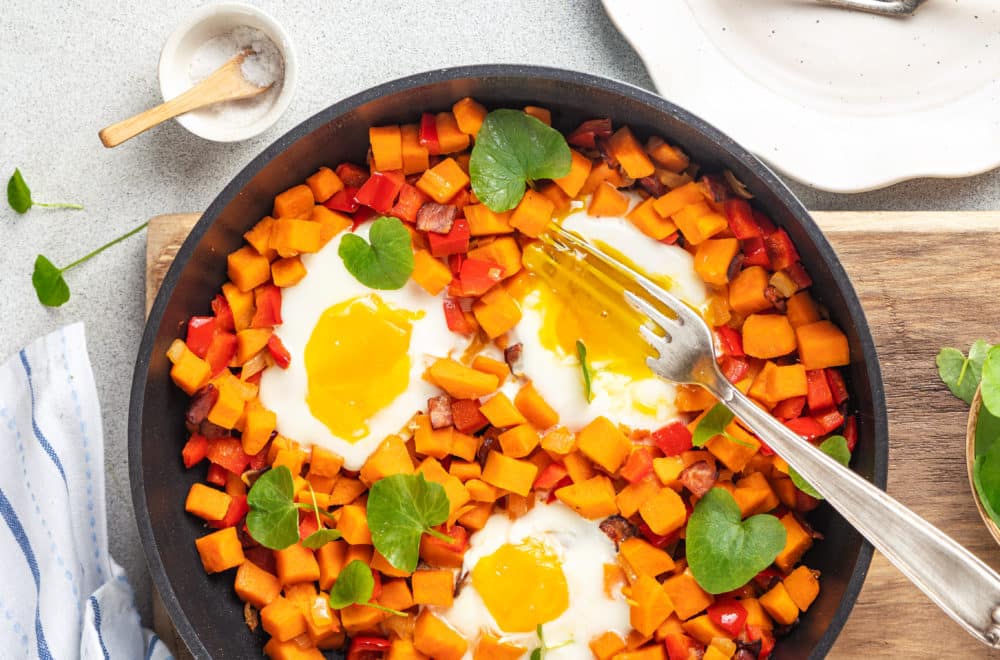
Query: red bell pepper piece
<point>766,226</point>
<point>550,476</point>
<point>585,135</point>
<point>461,199</point>
<point>200,331</point>
<point>780,250</point>
<point>368,648</point>
<point>672,439</point>
<point>216,475</point>
<point>807,427</point>
<point>428,135</point>
<point>638,465</point>
<point>766,640</point>
<point>353,176</point>
<point>767,577</point>
<point>458,534</point>
<point>361,216</point>
<point>729,615</point>
<point>223,313</point>
<point>851,432</point>
<point>228,453</point>
<point>837,385</point>
<point>804,502</point>
<point>409,202</point>
<point>734,369</point>
<point>238,509</point>
<point>479,276</point>
<point>380,190</point>
<point>466,416</point>
<point>755,253</point>
<point>789,408</point>
<point>799,275</point>
<point>268,310</point>
<point>672,239</point>
<point>562,483</point>
<point>819,395</point>
<point>307,524</point>
<point>656,539</point>
<point>741,221</point>
<point>343,200</point>
<point>221,351</point>
<point>455,241</point>
<point>277,349</point>
<point>730,340</point>
<point>195,450</point>
<point>455,263</point>
<point>263,557</point>
<point>455,317</point>
<point>830,420</point>
<point>681,647</point>
<point>259,460</point>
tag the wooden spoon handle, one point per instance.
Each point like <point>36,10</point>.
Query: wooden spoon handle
<point>190,100</point>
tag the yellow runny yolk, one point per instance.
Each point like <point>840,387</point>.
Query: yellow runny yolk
<point>357,362</point>
<point>522,585</point>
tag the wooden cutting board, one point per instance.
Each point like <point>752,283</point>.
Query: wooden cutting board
<point>926,280</point>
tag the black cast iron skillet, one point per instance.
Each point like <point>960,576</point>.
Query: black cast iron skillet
<point>207,614</point>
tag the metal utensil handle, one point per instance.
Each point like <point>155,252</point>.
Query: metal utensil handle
<point>956,580</point>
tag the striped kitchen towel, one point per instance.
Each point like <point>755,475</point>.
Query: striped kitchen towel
<point>63,595</point>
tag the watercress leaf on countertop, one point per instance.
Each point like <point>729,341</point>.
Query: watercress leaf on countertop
<point>990,385</point>
<point>986,479</point>
<point>50,287</point>
<point>960,373</point>
<point>723,552</point>
<point>581,354</point>
<point>512,149</point>
<point>401,508</point>
<point>385,260</point>
<point>319,538</point>
<point>836,447</point>
<point>273,519</point>
<point>354,586</point>
<point>18,193</point>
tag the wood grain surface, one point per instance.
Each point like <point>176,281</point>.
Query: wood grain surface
<point>926,280</point>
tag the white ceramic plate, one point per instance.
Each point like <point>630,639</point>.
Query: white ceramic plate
<point>841,100</point>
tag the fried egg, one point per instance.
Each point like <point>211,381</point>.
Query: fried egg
<point>559,311</point>
<point>545,569</point>
<point>358,357</point>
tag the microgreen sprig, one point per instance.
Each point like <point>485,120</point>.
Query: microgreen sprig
<point>355,586</point>
<point>581,354</point>
<point>19,196</point>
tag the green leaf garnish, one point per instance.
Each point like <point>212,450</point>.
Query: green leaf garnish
<point>990,385</point>
<point>542,649</point>
<point>714,423</point>
<point>47,278</point>
<point>385,262</point>
<point>960,373</point>
<point>513,149</point>
<point>581,354</point>
<point>836,447</point>
<point>319,538</point>
<point>401,509</point>
<point>273,520</point>
<point>723,552</point>
<point>355,586</point>
<point>19,197</point>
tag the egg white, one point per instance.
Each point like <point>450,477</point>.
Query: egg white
<point>328,283</point>
<point>641,404</point>
<point>582,548</point>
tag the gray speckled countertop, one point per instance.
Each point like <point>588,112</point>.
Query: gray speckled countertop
<point>67,69</point>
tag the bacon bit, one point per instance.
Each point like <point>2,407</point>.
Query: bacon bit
<point>737,186</point>
<point>437,218</point>
<point>213,431</point>
<point>490,439</point>
<point>250,616</point>
<point>439,411</point>
<point>201,402</point>
<point>717,189</point>
<point>618,529</point>
<point>776,299</point>
<point>735,266</point>
<point>602,146</point>
<point>512,356</point>
<point>699,477</point>
<point>653,186</point>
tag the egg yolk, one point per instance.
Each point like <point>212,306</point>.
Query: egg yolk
<point>522,585</point>
<point>357,362</point>
<point>578,305</point>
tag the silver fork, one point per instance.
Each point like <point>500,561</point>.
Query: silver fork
<point>952,577</point>
<point>883,7</point>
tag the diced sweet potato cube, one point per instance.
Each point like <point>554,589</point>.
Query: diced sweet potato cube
<point>295,564</point>
<point>797,541</point>
<point>352,522</point>
<point>649,222</point>
<point>802,586</point>
<point>534,407</point>
<point>652,605</point>
<point>645,558</point>
<point>207,502</point>
<point>220,550</point>
<point>604,443</point>
<point>435,638</point>
<point>433,587</point>
<point>664,512</point>
<point>387,147</point>
<point>630,498</point>
<point>519,441</point>
<point>607,645</point>
<point>460,381</point>
<point>282,619</point>
<point>496,311</point>
<point>579,169</point>
<point>630,155</point>
<point>501,411</point>
<point>296,202</point>
<point>608,201</point>
<point>324,184</point>
<point>769,336</point>
<point>822,344</point>
<point>509,473</point>
<point>431,274</point>
<point>533,213</point>
<point>491,648</point>
<point>491,366</point>
<point>248,269</point>
<point>391,457</point>
<point>330,558</point>
<point>256,586</point>
<point>593,498</point>
<point>292,236</point>
<point>779,605</point>
<point>704,629</point>
<point>396,595</point>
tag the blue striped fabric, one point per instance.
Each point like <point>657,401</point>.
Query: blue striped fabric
<point>14,524</point>
<point>96,607</point>
<point>34,423</point>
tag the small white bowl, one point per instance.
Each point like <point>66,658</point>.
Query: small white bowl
<point>203,24</point>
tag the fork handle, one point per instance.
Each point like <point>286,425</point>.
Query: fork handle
<point>952,577</point>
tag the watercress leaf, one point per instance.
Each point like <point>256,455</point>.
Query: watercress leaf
<point>18,193</point>
<point>987,431</point>
<point>962,374</point>
<point>354,586</point>
<point>725,553</point>
<point>50,287</point>
<point>273,520</point>
<point>319,538</point>
<point>581,354</point>
<point>511,150</point>
<point>536,654</point>
<point>990,385</point>
<point>385,261</point>
<point>401,507</point>
<point>836,447</point>
<point>712,424</point>
<point>986,479</point>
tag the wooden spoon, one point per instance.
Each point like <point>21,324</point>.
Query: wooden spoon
<point>225,84</point>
